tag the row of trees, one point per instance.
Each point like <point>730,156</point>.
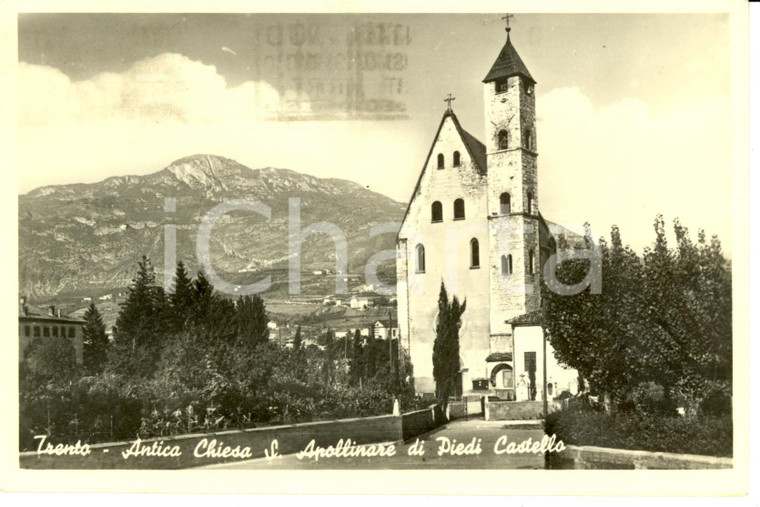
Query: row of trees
<point>662,323</point>
<point>194,360</point>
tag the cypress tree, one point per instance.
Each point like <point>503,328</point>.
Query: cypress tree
<point>446,345</point>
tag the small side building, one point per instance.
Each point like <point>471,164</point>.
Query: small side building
<point>33,325</point>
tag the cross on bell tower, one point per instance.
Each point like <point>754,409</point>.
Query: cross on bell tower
<point>506,18</point>
<point>449,99</point>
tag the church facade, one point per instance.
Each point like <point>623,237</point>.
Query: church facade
<point>474,224</point>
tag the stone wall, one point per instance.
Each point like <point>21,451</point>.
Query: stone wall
<point>516,410</point>
<point>416,423</point>
<point>589,457</point>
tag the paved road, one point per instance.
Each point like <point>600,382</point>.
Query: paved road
<point>488,432</point>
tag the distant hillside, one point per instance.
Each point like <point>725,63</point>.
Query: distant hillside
<point>88,237</point>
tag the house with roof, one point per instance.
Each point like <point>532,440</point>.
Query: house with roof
<point>381,329</point>
<point>34,325</point>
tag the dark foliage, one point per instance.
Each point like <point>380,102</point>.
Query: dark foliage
<point>585,425</point>
<point>446,347</point>
<point>195,361</point>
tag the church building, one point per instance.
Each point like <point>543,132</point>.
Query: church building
<point>474,223</point>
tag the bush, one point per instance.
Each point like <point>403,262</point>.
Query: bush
<point>582,425</point>
<point>716,404</point>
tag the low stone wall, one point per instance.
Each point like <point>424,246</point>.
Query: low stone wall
<point>500,410</point>
<point>458,409</point>
<point>184,449</point>
<point>589,457</point>
<point>421,421</point>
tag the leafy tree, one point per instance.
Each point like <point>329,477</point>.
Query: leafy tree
<point>51,360</point>
<point>662,318</point>
<point>94,341</point>
<point>215,318</point>
<point>251,320</point>
<point>446,345</point>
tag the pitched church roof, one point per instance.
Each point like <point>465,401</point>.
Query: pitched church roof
<point>475,148</point>
<point>508,63</point>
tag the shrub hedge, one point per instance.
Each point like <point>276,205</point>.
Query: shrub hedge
<point>582,425</point>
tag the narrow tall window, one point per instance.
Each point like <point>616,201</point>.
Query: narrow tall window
<point>440,161</point>
<point>72,332</point>
<point>46,331</point>
<point>436,211</point>
<point>459,209</point>
<point>503,142</point>
<point>531,262</point>
<point>55,330</point>
<point>506,264</point>
<point>505,204</point>
<point>474,253</point>
<point>36,330</point>
<point>420,259</point>
<point>27,331</point>
<point>456,159</point>
<point>530,203</point>
<point>528,140</point>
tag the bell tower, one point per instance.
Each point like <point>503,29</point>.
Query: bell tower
<point>513,225</point>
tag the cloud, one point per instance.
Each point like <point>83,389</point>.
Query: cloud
<point>167,107</point>
<point>622,164</point>
<point>162,89</point>
<point>618,163</point>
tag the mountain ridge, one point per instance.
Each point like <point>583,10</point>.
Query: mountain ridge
<point>80,236</point>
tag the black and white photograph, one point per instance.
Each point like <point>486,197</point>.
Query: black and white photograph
<point>491,242</point>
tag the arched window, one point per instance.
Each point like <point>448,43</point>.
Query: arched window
<point>503,142</point>
<point>474,253</point>
<point>436,210</point>
<point>420,258</point>
<point>528,140</point>
<point>505,204</point>
<point>530,203</point>
<point>459,209</point>
<point>456,159</point>
<point>440,161</point>
<point>550,389</point>
<point>506,264</point>
<point>501,376</point>
<point>531,263</point>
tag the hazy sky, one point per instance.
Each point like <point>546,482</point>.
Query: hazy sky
<point>633,110</point>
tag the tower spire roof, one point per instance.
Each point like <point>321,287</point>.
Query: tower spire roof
<point>508,63</point>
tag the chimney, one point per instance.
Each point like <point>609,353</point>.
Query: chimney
<point>58,313</point>
<point>51,311</point>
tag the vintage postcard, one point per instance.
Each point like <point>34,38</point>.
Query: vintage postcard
<point>377,250</point>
